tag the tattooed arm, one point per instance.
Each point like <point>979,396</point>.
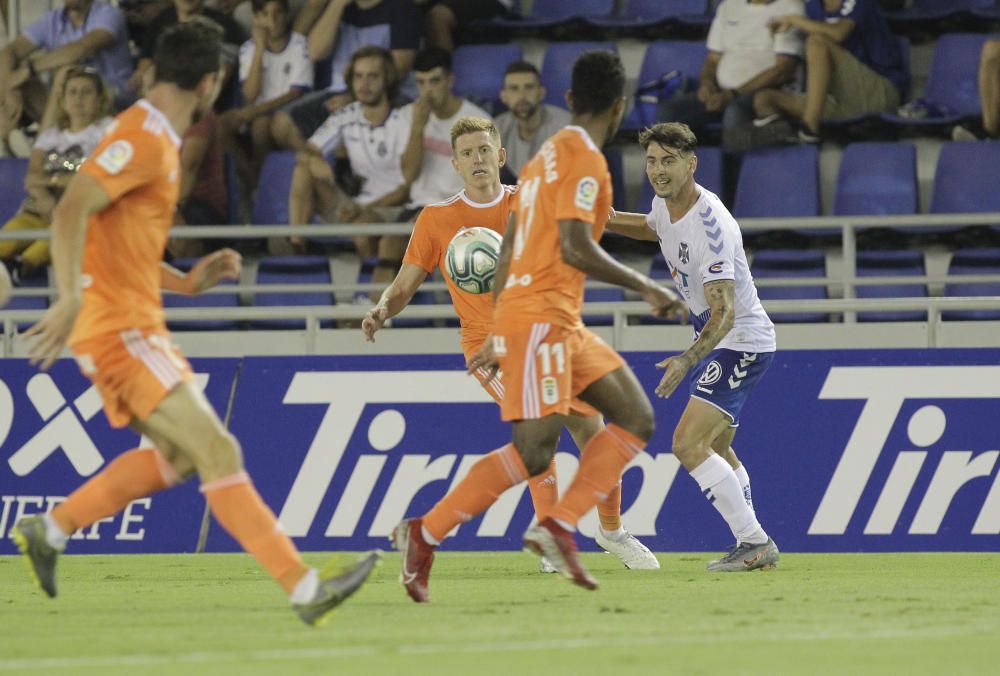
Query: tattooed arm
<point>722,306</point>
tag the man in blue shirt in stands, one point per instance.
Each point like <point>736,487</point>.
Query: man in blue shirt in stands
<point>854,67</point>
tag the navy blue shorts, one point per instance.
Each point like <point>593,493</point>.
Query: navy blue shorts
<point>725,379</point>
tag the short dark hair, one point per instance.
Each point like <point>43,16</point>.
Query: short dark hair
<point>674,135</point>
<point>598,81</point>
<point>258,5</point>
<point>430,58</point>
<point>522,67</point>
<point>390,75</point>
<point>187,52</point>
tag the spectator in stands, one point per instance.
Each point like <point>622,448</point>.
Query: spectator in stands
<point>338,29</point>
<point>75,118</point>
<point>989,97</point>
<point>275,69</point>
<point>202,199</point>
<point>854,67</point>
<point>529,121</point>
<point>183,11</point>
<point>426,163</point>
<point>82,32</point>
<point>373,134</point>
<point>242,11</point>
<point>447,18</point>
<point>744,57</point>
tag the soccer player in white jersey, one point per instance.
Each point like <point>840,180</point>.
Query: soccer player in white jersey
<point>734,337</point>
<point>373,134</point>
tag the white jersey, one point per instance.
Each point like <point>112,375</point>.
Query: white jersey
<point>281,71</point>
<point>65,150</point>
<point>704,246</point>
<point>747,47</point>
<point>438,180</point>
<point>374,150</point>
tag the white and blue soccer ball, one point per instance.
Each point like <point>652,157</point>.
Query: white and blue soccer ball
<point>471,259</point>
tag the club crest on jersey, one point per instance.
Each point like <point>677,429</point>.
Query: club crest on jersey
<point>114,158</point>
<point>586,193</point>
<point>716,268</point>
<point>684,253</point>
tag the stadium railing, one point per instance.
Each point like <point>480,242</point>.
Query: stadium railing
<point>846,279</point>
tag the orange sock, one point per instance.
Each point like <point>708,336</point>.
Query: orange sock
<point>601,465</point>
<point>609,510</point>
<point>133,474</point>
<point>480,488</point>
<point>238,507</point>
<point>544,489</point>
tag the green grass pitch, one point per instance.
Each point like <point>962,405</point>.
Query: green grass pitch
<point>491,613</point>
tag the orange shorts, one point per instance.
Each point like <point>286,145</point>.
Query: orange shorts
<point>133,371</point>
<point>495,389</point>
<point>547,366</point>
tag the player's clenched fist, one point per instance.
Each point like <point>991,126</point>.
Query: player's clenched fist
<point>213,268</point>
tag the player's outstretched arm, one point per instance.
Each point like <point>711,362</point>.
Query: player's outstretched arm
<point>721,298</point>
<point>579,249</point>
<point>503,258</point>
<point>395,297</point>
<point>84,196</point>
<point>206,273</point>
<point>631,225</point>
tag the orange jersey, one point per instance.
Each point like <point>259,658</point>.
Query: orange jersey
<point>435,228</point>
<point>567,179</point>
<point>138,164</point>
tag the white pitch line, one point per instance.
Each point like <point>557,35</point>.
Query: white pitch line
<point>225,657</point>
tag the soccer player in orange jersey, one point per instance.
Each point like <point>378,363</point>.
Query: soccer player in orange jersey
<point>485,202</point>
<point>547,356</point>
<point>109,233</point>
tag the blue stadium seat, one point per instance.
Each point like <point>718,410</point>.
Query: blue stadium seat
<point>557,67</point>
<point>778,182</point>
<point>650,13</point>
<point>270,204</point>
<point>479,71</point>
<point>891,264</point>
<point>603,295</point>
<point>12,173</point>
<point>791,263</point>
<point>292,270</point>
<point>549,13</point>
<point>964,180</point>
<point>877,179</point>
<point>952,88</point>
<point>973,262</point>
<point>37,281</point>
<point>205,300</point>
<point>708,175</point>
<point>617,170</point>
<point>928,10</point>
<point>661,57</point>
<point>985,9</point>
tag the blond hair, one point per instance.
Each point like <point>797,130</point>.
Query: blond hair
<point>471,125</point>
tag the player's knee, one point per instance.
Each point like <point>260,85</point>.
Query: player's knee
<point>223,457</point>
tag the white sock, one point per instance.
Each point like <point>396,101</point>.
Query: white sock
<point>54,535</point>
<point>616,535</point>
<point>428,538</point>
<point>744,479</point>
<point>719,484</point>
<point>305,589</point>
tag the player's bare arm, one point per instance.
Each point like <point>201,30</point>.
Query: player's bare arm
<point>206,273</point>
<point>631,225</point>
<point>395,297</point>
<point>503,259</point>
<point>580,250</point>
<point>83,197</point>
<point>720,296</point>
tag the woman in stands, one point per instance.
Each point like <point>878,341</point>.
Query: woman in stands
<point>76,115</point>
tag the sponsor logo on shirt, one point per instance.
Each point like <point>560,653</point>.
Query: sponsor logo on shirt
<point>114,158</point>
<point>586,193</point>
<point>715,268</point>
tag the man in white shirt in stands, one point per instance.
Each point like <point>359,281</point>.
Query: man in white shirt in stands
<point>744,56</point>
<point>275,69</point>
<point>426,162</point>
<point>529,121</point>
<point>373,135</point>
